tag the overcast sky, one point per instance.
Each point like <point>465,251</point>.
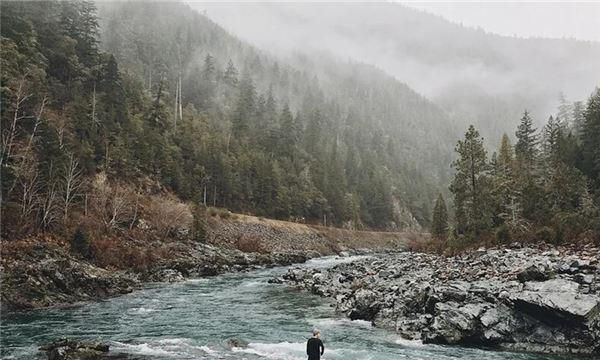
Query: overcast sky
<point>580,20</point>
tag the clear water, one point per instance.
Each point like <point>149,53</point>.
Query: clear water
<point>194,319</point>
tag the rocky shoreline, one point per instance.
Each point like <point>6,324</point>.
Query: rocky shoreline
<point>536,299</point>
<point>43,272</point>
<point>50,276</point>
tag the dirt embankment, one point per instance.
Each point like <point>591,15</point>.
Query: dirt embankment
<point>254,234</point>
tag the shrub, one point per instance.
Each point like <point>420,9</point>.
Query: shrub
<point>503,235</point>
<point>167,216</point>
<point>220,212</point>
<point>568,226</point>
<point>199,225</point>
<point>545,234</point>
<point>80,243</point>
<point>251,244</point>
<point>459,242</point>
<point>111,252</point>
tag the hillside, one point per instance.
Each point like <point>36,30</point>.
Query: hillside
<point>477,77</point>
<point>323,120</point>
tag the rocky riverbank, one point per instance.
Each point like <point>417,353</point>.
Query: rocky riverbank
<point>43,272</point>
<point>539,299</point>
<point>49,275</point>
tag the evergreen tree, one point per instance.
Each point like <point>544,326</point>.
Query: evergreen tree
<point>245,108</point>
<point>578,119</point>
<point>505,191</point>
<point>288,133</point>
<point>470,186</point>
<point>231,74</point>
<point>527,177</point>
<point>565,110</point>
<point>552,136</point>
<point>591,141</point>
<point>526,147</point>
<point>439,221</point>
<point>209,69</point>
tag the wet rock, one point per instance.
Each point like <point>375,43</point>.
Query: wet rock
<point>67,349</point>
<point>236,343</point>
<point>366,305</point>
<point>48,276</point>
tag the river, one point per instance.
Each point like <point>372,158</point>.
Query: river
<point>194,319</point>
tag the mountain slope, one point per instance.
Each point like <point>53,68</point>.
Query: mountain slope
<point>478,77</point>
<point>350,125</point>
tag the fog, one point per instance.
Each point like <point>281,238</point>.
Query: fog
<point>476,76</point>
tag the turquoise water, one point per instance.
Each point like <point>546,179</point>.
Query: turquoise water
<point>194,319</point>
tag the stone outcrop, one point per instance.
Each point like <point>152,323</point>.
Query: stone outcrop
<point>48,275</point>
<point>530,299</point>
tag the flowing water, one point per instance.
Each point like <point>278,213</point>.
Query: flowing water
<point>194,319</point>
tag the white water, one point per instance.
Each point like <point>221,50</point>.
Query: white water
<point>196,318</point>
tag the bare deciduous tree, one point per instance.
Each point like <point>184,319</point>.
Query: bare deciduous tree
<point>49,205</point>
<point>168,215</point>
<point>9,135</point>
<point>71,183</point>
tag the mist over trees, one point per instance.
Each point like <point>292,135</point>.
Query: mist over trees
<point>479,78</point>
<point>162,92</point>
<point>100,105</point>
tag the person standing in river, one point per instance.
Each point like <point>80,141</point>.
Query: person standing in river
<point>314,346</point>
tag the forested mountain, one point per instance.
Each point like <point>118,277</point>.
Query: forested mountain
<point>161,92</point>
<point>477,77</point>
<point>327,122</point>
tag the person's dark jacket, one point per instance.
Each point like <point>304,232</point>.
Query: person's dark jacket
<point>314,348</point>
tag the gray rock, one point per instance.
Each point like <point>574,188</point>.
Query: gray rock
<point>68,349</point>
<point>533,273</point>
<point>557,301</point>
<point>520,298</point>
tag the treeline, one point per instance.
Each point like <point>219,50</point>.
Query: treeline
<point>239,131</point>
<point>546,187</point>
<point>327,142</point>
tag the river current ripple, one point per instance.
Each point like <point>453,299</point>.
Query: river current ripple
<point>195,319</point>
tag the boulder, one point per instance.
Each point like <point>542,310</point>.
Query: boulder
<point>366,305</point>
<point>453,323</point>
<point>557,302</point>
<point>68,349</point>
<point>534,273</point>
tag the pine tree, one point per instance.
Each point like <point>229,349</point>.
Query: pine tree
<point>245,108</point>
<point>231,74</point>
<point>552,135</point>
<point>505,191</point>
<point>288,133</point>
<point>565,110</point>
<point>528,183</point>
<point>439,221</point>
<point>591,141</point>
<point>209,69</point>
<point>505,155</point>
<point>471,186</point>
<point>578,119</point>
<point>526,147</point>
